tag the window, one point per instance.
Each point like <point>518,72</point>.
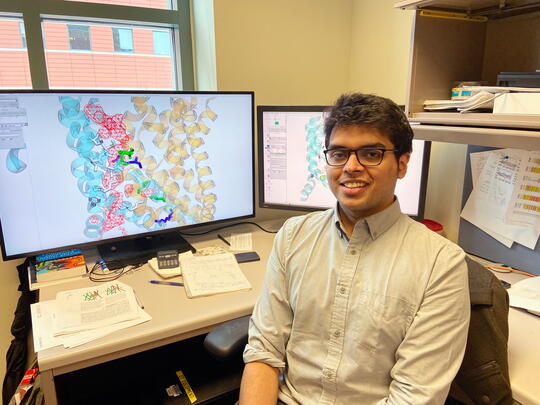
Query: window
<point>123,40</point>
<point>96,46</point>
<point>79,37</point>
<point>14,67</point>
<point>119,58</point>
<point>23,35</point>
<point>162,43</point>
<point>163,4</point>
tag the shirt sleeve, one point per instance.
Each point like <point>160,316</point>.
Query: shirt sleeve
<point>270,324</point>
<point>430,355</point>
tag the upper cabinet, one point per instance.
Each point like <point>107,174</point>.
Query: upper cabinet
<point>460,40</point>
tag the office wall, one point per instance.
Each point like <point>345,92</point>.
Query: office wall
<point>289,52</point>
<point>380,42</point>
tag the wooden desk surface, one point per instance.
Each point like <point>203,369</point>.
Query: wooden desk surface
<point>174,316</point>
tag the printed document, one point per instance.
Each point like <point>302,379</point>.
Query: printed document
<point>241,242</point>
<point>43,321</point>
<point>524,208</point>
<point>488,203</point>
<point>94,307</point>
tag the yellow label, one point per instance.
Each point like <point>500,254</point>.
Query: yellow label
<point>187,387</point>
<point>453,15</point>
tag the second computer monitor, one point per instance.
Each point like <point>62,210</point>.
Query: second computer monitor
<point>292,166</point>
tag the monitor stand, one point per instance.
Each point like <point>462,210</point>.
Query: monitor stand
<point>134,251</point>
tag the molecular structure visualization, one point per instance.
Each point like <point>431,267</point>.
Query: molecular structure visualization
<point>125,184</point>
<point>315,139</point>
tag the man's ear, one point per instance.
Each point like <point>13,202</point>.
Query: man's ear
<point>403,161</point>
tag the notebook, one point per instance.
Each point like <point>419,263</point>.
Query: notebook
<point>213,274</point>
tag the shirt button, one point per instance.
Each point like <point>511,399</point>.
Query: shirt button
<point>342,290</point>
<point>337,333</point>
<point>486,399</point>
<point>327,373</point>
<point>353,252</point>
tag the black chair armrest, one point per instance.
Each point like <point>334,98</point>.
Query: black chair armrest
<point>228,339</point>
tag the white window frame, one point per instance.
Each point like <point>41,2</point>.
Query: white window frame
<point>33,11</point>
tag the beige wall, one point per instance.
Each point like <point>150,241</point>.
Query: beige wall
<point>289,52</point>
<point>380,49</point>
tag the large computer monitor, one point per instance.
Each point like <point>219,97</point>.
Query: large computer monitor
<point>121,170</point>
<point>292,167</point>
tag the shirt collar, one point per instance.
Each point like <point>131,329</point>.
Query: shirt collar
<point>376,224</point>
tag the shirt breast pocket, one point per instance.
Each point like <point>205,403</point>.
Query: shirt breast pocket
<point>380,323</point>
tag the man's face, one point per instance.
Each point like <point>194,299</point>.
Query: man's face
<point>364,190</point>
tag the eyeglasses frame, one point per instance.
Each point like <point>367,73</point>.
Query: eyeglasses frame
<point>349,151</point>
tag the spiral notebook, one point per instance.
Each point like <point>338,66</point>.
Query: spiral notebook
<point>213,274</point>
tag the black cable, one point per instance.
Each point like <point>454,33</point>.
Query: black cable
<point>112,274</point>
<point>227,226</point>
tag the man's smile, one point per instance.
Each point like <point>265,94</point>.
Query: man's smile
<point>354,184</point>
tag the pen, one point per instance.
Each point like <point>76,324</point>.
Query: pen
<point>175,283</point>
<point>223,239</point>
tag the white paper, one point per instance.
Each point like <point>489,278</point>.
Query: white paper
<point>43,325</point>
<point>94,307</point>
<point>77,339</point>
<point>206,275</point>
<point>43,320</point>
<point>526,294</point>
<point>478,161</point>
<point>241,242</point>
<point>488,203</point>
<point>524,208</point>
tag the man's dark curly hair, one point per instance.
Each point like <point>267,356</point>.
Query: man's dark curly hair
<point>381,113</point>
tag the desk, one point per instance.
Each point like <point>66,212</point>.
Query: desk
<point>174,316</point>
<point>523,351</point>
<point>186,318</point>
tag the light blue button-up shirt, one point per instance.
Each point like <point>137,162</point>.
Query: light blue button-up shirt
<point>380,318</point>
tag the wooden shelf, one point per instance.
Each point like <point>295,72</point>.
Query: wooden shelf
<point>446,51</point>
<point>483,136</point>
<point>475,7</point>
<point>478,119</point>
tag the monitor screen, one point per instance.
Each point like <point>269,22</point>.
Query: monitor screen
<point>81,168</point>
<point>292,166</point>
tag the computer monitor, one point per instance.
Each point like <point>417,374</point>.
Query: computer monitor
<point>121,170</point>
<point>292,166</point>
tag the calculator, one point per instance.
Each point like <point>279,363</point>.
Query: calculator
<point>167,259</point>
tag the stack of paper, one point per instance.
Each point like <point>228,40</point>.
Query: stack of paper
<point>214,274</point>
<point>526,294</point>
<point>481,100</point>
<point>505,200</point>
<point>78,316</point>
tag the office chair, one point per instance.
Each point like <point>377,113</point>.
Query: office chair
<point>483,377</point>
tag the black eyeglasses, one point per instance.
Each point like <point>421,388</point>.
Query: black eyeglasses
<point>365,156</point>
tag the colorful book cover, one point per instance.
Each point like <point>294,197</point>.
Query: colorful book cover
<point>63,267</point>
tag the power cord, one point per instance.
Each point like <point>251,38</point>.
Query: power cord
<point>228,226</point>
<point>100,271</point>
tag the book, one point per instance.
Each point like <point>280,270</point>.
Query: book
<point>33,284</point>
<point>60,268</point>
